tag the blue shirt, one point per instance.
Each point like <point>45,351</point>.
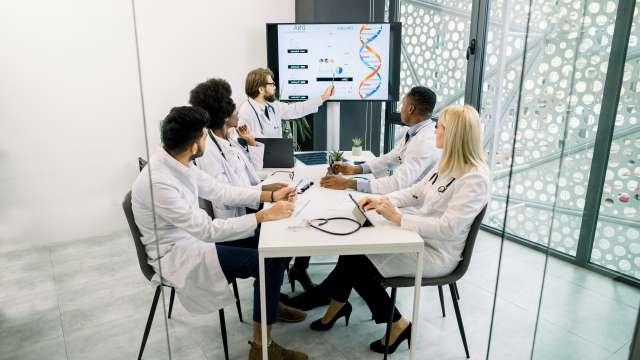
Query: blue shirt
<point>363,185</point>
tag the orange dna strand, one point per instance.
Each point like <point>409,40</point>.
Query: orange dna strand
<point>371,59</point>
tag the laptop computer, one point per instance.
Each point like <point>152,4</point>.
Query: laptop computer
<point>361,217</point>
<point>278,153</point>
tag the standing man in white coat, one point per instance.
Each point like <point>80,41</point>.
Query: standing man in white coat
<point>263,114</point>
<point>409,160</point>
<point>189,246</point>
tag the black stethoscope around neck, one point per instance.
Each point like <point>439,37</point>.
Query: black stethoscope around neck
<point>441,188</point>
<point>258,116</point>
<point>213,138</point>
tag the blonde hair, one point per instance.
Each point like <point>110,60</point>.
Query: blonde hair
<point>255,79</point>
<point>462,149</point>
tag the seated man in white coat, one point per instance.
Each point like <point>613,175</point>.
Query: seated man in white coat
<point>189,245</point>
<point>263,114</point>
<point>409,160</point>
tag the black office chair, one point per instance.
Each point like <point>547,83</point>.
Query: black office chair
<point>395,282</point>
<point>148,272</point>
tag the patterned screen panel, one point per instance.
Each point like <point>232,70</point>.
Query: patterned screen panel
<point>617,241</point>
<point>566,63</point>
<point>435,35</point>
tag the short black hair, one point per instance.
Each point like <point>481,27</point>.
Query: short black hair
<point>423,99</point>
<point>182,127</point>
<point>214,96</point>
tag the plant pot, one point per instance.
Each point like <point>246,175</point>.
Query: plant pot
<point>356,150</point>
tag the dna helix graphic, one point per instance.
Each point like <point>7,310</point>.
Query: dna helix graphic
<point>371,59</point>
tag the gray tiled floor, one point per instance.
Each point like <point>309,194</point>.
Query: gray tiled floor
<point>86,299</point>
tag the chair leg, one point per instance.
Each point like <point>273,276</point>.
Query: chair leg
<point>387,334</point>
<point>173,295</point>
<point>441,300</point>
<point>234,284</point>
<point>459,318</point>
<point>223,330</point>
<point>152,312</point>
<point>455,287</point>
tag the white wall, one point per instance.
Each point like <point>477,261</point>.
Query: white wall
<point>185,43</point>
<point>70,118</point>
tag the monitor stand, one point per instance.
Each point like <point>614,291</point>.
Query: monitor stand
<point>333,125</point>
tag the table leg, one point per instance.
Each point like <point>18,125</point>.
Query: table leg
<point>416,306</point>
<point>263,306</point>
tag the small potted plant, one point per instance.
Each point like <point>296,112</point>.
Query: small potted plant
<point>356,146</point>
<point>333,157</point>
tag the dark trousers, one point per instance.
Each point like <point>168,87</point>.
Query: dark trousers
<point>301,263</point>
<point>358,272</point>
<point>242,262</point>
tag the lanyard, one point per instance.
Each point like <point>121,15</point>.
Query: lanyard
<point>258,116</point>
<point>441,188</point>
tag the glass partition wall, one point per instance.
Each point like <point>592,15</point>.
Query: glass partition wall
<point>547,117</point>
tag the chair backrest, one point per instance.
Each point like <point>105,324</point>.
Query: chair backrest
<point>141,163</point>
<point>146,269</point>
<point>468,245</point>
<point>456,274</point>
<point>207,206</point>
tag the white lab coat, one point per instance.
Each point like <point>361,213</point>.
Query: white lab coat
<point>443,219</point>
<point>234,168</point>
<point>185,233</point>
<point>409,162</point>
<point>262,127</point>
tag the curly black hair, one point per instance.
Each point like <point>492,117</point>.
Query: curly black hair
<point>214,96</point>
<point>182,127</point>
<point>423,99</point>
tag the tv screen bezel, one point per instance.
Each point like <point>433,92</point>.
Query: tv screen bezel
<point>395,38</point>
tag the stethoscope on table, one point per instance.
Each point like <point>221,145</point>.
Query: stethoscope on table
<point>319,222</point>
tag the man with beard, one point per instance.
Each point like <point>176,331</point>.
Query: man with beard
<point>263,114</point>
<point>190,248</point>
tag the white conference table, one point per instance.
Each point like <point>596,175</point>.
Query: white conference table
<point>290,238</point>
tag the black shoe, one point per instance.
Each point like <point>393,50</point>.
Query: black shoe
<point>302,277</point>
<point>345,311</point>
<point>377,346</point>
<point>308,300</point>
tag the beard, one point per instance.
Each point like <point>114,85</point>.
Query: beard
<point>270,98</point>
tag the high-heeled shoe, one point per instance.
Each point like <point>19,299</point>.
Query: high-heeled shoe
<point>300,275</point>
<point>345,311</point>
<point>378,347</point>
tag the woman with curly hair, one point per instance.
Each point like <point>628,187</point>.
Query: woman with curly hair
<point>225,158</point>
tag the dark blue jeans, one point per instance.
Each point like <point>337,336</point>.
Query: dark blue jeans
<point>242,262</point>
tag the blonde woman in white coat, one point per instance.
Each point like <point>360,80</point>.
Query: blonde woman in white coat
<point>448,199</point>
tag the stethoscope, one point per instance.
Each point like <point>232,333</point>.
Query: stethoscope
<point>441,188</point>
<point>213,138</point>
<point>258,116</point>
<point>317,223</point>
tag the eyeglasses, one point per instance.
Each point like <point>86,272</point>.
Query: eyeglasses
<point>291,173</point>
<point>270,83</point>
